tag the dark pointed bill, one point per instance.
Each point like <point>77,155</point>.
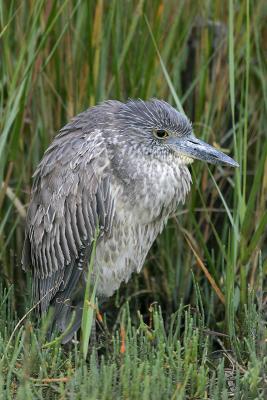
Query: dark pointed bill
<point>195,148</point>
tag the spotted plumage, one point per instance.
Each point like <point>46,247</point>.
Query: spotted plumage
<point>108,169</point>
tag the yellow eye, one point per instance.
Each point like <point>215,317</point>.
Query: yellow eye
<point>160,134</point>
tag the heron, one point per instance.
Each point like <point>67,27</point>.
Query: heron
<point>121,168</point>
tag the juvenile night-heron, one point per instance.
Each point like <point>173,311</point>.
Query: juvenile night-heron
<point>122,167</point>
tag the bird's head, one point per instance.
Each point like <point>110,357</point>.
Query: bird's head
<point>156,128</point>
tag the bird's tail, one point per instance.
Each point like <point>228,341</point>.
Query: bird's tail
<point>67,323</point>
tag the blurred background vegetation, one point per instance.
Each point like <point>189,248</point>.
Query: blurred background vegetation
<point>205,57</point>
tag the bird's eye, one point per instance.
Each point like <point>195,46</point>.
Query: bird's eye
<point>160,134</point>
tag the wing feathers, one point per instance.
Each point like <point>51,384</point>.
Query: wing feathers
<point>81,222</point>
<point>71,196</point>
<point>69,235</point>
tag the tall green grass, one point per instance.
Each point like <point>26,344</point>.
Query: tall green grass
<point>208,59</point>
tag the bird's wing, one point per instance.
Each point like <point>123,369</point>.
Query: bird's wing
<point>71,196</point>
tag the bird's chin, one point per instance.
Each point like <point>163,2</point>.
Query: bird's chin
<point>183,159</point>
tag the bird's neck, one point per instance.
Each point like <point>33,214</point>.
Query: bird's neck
<point>151,185</point>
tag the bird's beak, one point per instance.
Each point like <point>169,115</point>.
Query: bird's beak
<point>195,148</point>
